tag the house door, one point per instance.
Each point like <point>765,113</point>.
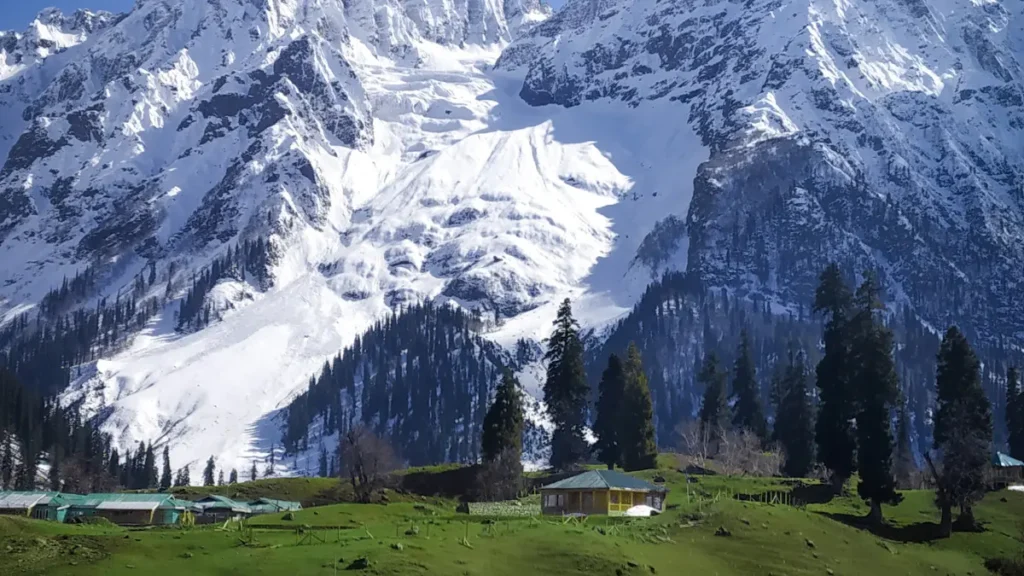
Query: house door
<point>588,501</point>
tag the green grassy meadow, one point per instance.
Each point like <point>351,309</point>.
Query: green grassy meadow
<point>424,535</point>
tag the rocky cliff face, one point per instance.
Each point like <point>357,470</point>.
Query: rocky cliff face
<point>885,135</point>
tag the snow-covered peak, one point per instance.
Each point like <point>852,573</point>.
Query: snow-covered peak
<point>186,128</point>
<point>49,33</point>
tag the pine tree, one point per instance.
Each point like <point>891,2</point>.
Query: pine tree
<point>182,477</point>
<point>233,477</point>
<point>794,430</point>
<point>714,411</point>
<point>220,477</point>
<point>114,464</point>
<point>6,465</point>
<point>1014,413</point>
<point>963,429</point>
<point>208,472</point>
<point>637,447</point>
<point>904,456</point>
<point>252,473</point>
<point>502,442</point>
<point>323,462</point>
<point>55,458</point>
<point>565,391</point>
<point>165,472</point>
<point>503,424</point>
<point>834,434</point>
<point>609,404</point>
<point>875,380</point>
<point>747,411</point>
<point>149,477</point>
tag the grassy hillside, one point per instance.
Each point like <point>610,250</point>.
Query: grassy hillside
<point>423,535</point>
<point>308,491</point>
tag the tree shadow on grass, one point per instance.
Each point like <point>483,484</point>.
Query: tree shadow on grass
<point>917,532</point>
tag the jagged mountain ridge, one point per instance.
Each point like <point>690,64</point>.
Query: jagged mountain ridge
<point>884,135</point>
<point>150,154</point>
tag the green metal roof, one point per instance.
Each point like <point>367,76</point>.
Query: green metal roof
<point>94,500</point>
<point>603,479</point>
<point>1005,460</point>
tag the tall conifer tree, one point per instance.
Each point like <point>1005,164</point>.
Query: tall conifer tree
<point>747,412</point>
<point>609,404</point>
<point>165,472</point>
<point>875,380</point>
<point>566,391</point>
<point>834,433</point>
<point>905,465</point>
<point>714,411</point>
<point>637,447</point>
<point>503,424</point>
<point>963,429</point>
<point>323,462</point>
<point>208,472</point>
<point>6,464</point>
<point>794,427</point>
<point>1014,413</point>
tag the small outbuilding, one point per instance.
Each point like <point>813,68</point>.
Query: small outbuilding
<point>272,506</point>
<point>1005,471</point>
<point>130,509</point>
<point>215,508</point>
<point>600,492</point>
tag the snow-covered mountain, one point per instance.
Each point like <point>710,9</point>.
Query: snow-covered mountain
<point>386,161</point>
<point>883,134</point>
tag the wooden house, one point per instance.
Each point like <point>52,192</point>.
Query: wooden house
<point>271,506</point>
<point>1005,471</point>
<point>600,492</point>
<point>130,509</point>
<point>215,508</point>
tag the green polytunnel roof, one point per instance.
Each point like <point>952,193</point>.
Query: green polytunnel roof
<point>25,500</point>
<point>216,502</point>
<point>604,479</point>
<point>117,501</point>
<point>279,504</point>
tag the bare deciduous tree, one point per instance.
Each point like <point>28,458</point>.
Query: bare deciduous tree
<point>695,441</point>
<point>365,460</point>
<point>740,453</point>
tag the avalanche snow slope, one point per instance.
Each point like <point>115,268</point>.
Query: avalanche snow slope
<point>483,201</point>
<point>885,135</point>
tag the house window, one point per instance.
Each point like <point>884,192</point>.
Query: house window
<point>588,500</point>
<point>561,501</point>
<point>615,497</point>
